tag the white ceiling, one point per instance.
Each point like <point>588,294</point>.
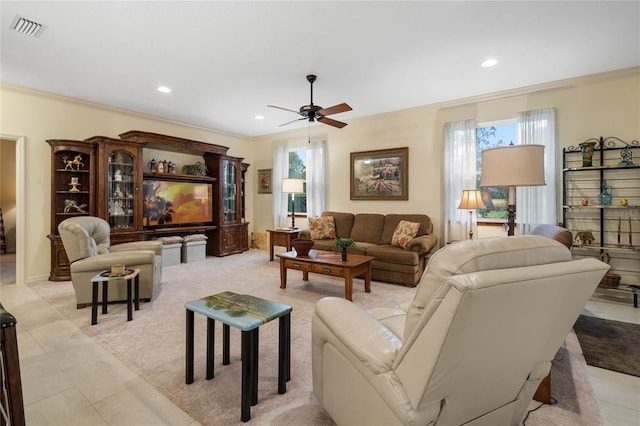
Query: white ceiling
<point>225,61</point>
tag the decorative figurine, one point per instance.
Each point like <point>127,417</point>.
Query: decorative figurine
<point>152,165</point>
<point>118,176</point>
<point>117,193</point>
<point>77,161</point>
<point>626,157</point>
<point>72,204</point>
<point>74,184</point>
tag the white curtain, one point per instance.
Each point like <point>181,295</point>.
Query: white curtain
<point>316,173</point>
<point>459,174</point>
<point>280,171</point>
<point>537,204</point>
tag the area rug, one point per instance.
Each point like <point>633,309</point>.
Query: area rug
<point>608,344</point>
<point>153,344</point>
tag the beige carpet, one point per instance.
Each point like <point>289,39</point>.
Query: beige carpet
<point>153,343</point>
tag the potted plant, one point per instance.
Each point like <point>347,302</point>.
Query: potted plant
<point>343,243</point>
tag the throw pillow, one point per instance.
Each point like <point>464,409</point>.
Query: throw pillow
<point>405,232</point>
<point>322,228</point>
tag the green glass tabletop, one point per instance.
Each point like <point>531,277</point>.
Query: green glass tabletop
<point>241,311</point>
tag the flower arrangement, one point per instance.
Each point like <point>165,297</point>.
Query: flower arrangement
<point>197,169</point>
<point>344,243</point>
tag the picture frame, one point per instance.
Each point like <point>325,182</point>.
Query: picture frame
<point>380,174</point>
<point>264,181</point>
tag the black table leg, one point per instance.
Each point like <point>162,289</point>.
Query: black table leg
<point>245,407</point>
<point>189,348</point>
<point>105,296</point>
<point>211,326</point>
<point>225,344</point>
<point>137,291</point>
<point>284,351</point>
<point>255,333</point>
<point>129,301</point>
<point>94,303</point>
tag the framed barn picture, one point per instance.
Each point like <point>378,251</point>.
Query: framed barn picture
<point>380,175</point>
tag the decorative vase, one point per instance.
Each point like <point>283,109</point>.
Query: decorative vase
<point>605,197</point>
<point>302,246</point>
<point>344,254</point>
<point>587,153</point>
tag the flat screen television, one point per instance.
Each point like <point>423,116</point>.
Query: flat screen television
<point>174,203</point>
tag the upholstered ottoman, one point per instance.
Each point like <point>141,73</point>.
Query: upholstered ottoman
<point>194,248</point>
<point>171,250</point>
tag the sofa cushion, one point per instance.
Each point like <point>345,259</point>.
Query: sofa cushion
<point>322,228</point>
<point>394,255</point>
<point>367,228</point>
<point>405,232</point>
<point>343,223</point>
<point>391,222</point>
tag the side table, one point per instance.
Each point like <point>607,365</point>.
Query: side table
<point>105,277</point>
<point>282,238</point>
<point>246,313</point>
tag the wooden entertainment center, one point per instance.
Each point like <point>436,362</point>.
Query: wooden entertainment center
<point>103,177</point>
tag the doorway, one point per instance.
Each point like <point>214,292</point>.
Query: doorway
<point>13,199</point>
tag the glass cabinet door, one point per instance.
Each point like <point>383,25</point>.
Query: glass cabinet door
<point>229,191</point>
<point>121,189</point>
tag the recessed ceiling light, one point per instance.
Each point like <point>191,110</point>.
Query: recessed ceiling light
<point>489,63</point>
<point>259,117</point>
<point>164,89</point>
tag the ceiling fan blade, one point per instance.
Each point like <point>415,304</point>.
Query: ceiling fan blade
<point>285,109</point>
<point>332,122</point>
<point>335,109</point>
<point>292,121</point>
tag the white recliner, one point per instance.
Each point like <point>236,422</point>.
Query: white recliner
<point>87,242</point>
<point>471,348</point>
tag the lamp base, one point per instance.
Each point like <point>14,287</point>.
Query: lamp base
<point>511,220</point>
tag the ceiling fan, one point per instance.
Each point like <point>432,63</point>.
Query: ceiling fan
<point>313,112</point>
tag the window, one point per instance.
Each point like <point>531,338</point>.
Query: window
<point>298,169</point>
<point>491,135</point>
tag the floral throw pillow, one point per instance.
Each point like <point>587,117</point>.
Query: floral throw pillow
<point>405,232</point>
<point>322,227</point>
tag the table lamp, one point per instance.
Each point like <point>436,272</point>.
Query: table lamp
<point>472,200</point>
<point>513,165</point>
<point>293,186</point>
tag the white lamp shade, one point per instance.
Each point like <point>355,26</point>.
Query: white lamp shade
<point>513,165</point>
<point>293,186</point>
<point>471,199</point>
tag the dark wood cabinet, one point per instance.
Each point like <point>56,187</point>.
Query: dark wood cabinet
<point>73,192</point>
<point>231,234</point>
<point>119,175</point>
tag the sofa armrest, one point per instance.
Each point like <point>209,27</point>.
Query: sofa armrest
<point>423,244</point>
<point>361,334</point>
<point>155,246</point>
<point>304,233</point>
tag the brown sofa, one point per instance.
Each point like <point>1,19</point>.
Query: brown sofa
<point>372,234</point>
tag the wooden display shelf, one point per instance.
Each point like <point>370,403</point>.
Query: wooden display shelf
<point>177,177</point>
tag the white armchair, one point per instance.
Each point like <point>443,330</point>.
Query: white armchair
<point>87,242</point>
<point>471,348</point>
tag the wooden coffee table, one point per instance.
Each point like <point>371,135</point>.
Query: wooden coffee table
<point>328,263</point>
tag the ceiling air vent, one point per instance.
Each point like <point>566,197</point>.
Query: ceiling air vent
<point>27,27</point>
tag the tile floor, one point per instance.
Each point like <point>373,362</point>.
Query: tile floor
<point>69,380</point>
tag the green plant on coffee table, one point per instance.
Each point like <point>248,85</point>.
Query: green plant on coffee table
<point>197,169</point>
<point>344,242</point>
